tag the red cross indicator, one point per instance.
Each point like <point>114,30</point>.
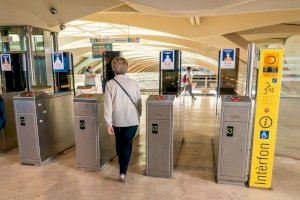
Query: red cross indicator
<point>235,99</point>
<point>160,98</point>
<point>27,94</point>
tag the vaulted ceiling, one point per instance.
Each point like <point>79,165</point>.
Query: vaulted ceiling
<point>198,27</point>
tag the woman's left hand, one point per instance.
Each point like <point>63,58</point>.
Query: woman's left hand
<point>110,130</point>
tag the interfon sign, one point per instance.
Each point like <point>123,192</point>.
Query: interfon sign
<point>266,117</point>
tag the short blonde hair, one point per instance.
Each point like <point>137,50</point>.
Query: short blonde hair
<point>119,65</point>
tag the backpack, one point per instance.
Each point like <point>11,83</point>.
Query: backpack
<point>184,79</point>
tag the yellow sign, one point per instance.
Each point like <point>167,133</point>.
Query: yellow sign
<point>266,117</point>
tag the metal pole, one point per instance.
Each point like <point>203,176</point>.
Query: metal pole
<point>55,41</point>
<point>249,83</point>
<point>250,69</point>
<point>160,74</point>
<point>29,56</point>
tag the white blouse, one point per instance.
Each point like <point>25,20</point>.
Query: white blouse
<point>119,110</point>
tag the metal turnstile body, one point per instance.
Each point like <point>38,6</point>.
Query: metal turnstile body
<point>94,146</point>
<point>231,143</point>
<point>164,135</point>
<point>33,128</point>
<point>45,125</point>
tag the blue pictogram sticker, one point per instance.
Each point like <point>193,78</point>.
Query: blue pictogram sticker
<point>264,134</point>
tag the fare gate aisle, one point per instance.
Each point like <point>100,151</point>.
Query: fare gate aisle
<point>199,119</point>
<point>193,176</point>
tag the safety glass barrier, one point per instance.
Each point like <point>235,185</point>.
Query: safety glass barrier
<point>288,137</point>
<point>291,77</point>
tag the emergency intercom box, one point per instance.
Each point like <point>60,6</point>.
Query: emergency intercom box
<point>232,139</point>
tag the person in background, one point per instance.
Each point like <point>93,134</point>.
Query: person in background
<point>122,111</point>
<point>189,82</point>
<point>183,83</point>
<point>90,77</point>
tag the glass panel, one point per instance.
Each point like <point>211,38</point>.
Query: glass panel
<point>39,58</point>
<point>63,79</point>
<point>291,76</point>
<point>13,43</point>
<point>288,136</point>
<point>15,80</point>
<point>37,43</point>
<point>12,39</point>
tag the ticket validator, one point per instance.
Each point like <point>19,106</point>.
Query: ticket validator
<point>164,134</point>
<point>231,142</point>
<point>44,119</point>
<point>94,146</point>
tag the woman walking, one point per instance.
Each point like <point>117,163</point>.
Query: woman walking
<point>122,111</point>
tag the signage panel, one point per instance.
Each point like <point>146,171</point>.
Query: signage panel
<point>115,40</point>
<point>99,48</point>
<point>58,61</point>
<point>266,117</point>
<point>6,62</point>
<point>227,58</point>
<point>167,59</point>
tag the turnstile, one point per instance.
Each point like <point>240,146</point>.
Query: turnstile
<point>44,123</point>
<point>33,127</point>
<point>164,135</point>
<point>231,141</point>
<point>94,146</point>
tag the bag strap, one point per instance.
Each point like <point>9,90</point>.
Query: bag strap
<point>126,93</point>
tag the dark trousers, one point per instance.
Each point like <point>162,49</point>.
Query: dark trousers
<point>124,138</point>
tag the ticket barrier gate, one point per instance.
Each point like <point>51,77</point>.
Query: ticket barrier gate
<point>33,128</point>
<point>44,123</point>
<point>231,143</point>
<point>94,146</point>
<point>164,134</point>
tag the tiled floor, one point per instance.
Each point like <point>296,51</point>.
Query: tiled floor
<point>193,176</point>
